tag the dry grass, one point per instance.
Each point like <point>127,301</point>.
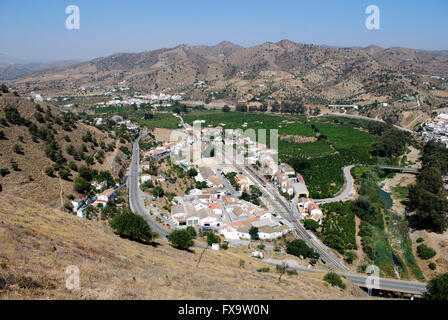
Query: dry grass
<point>38,243</point>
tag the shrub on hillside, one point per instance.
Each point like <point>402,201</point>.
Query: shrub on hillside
<point>132,226</point>
<point>191,231</point>
<point>4,171</point>
<point>425,252</point>
<point>299,248</point>
<point>81,185</point>
<point>212,238</point>
<point>49,171</point>
<point>334,279</point>
<point>181,239</point>
<point>350,256</point>
<point>64,173</point>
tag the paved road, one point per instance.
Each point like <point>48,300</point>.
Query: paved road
<point>359,279</point>
<point>136,196</point>
<point>348,191</point>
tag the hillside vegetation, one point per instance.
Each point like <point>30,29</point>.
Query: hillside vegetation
<point>42,148</point>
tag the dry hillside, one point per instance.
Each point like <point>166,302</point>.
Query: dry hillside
<point>39,243</point>
<point>316,72</point>
<point>30,179</point>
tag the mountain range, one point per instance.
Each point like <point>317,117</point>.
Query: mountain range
<point>235,72</point>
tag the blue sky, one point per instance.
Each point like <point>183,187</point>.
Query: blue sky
<point>35,29</point>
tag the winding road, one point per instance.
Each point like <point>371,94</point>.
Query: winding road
<point>411,287</point>
<point>135,196</point>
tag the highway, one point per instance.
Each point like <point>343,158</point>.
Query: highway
<point>359,279</point>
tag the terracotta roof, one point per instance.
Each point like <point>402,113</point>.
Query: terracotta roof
<point>215,205</point>
<point>107,192</point>
<point>238,211</point>
<point>215,180</point>
<point>313,206</point>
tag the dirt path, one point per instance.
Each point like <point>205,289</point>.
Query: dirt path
<point>109,159</point>
<point>414,157</point>
<point>61,193</point>
<point>359,252</point>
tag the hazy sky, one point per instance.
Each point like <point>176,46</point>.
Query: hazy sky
<point>35,29</point>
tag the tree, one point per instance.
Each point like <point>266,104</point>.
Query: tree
<point>132,226</point>
<point>64,172</point>
<point>281,268</point>
<point>4,171</point>
<point>192,172</point>
<point>158,191</point>
<point>212,238</point>
<point>275,107</point>
<point>181,239</point>
<point>311,224</point>
<point>298,248</point>
<point>70,149</point>
<point>425,252</point>
<point>437,288</point>
<point>2,135</point>
<point>72,165</point>
<point>334,279</point>
<point>39,117</point>
<point>350,256</point>
<point>85,173</point>
<point>253,232</point>
<point>191,231</point>
<point>241,107</point>
<point>4,88</point>
<point>226,108</point>
<point>17,149</point>
<point>81,185</point>
<point>49,171</point>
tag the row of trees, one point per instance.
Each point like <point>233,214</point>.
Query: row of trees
<point>429,197</point>
<point>392,141</point>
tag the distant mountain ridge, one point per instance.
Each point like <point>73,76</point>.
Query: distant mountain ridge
<point>333,73</point>
<point>13,67</point>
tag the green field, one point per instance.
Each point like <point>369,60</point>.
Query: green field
<point>160,120</point>
<point>234,120</point>
<point>319,162</point>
